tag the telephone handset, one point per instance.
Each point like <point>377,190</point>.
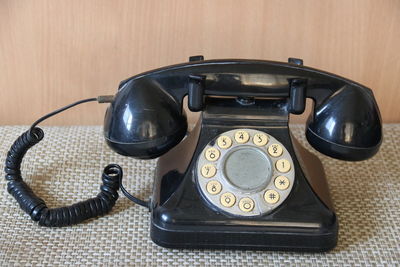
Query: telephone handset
<point>239,179</point>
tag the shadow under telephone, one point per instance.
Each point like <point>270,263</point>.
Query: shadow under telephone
<point>239,179</point>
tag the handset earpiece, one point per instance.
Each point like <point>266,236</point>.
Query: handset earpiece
<point>346,125</point>
<point>144,121</point>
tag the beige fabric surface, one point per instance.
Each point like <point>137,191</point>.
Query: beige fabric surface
<point>66,167</point>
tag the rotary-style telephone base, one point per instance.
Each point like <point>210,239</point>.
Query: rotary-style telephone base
<point>189,214</point>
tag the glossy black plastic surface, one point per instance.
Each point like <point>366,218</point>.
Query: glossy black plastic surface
<point>347,125</point>
<point>346,122</point>
<point>182,218</point>
<point>144,121</point>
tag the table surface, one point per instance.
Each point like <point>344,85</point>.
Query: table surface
<point>66,167</point>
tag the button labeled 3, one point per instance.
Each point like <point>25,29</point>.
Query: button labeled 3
<point>214,187</point>
<point>212,154</point>
<point>260,139</point>
<point>246,204</point>
<point>224,141</point>
<point>228,199</point>
<point>242,137</point>
<point>208,170</point>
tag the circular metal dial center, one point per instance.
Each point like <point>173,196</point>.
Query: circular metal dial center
<point>247,168</point>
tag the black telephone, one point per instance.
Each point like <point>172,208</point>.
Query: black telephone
<point>239,179</point>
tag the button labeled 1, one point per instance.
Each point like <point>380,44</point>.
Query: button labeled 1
<point>283,165</point>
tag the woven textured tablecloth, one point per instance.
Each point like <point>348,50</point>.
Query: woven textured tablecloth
<point>66,167</point>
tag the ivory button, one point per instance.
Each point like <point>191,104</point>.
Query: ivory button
<point>214,187</point>
<point>271,196</point>
<point>224,141</point>
<point>228,199</point>
<point>275,150</point>
<point>282,182</point>
<point>242,137</point>
<point>208,170</point>
<point>260,139</point>
<point>212,154</point>
<point>283,165</point>
<point>246,204</point>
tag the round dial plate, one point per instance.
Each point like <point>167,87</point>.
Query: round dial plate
<point>248,173</point>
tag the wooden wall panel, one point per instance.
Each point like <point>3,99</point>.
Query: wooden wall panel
<point>56,52</point>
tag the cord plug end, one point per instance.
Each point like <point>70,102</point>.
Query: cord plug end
<point>105,98</point>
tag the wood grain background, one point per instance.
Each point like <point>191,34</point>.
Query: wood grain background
<point>55,52</point>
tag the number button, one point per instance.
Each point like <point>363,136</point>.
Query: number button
<point>224,141</point>
<point>212,154</point>
<point>228,199</point>
<point>246,204</point>
<point>282,165</point>
<point>275,150</point>
<point>260,139</point>
<point>271,196</point>
<point>208,170</point>
<point>214,187</point>
<point>282,183</point>
<point>241,137</point>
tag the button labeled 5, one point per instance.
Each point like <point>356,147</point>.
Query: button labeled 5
<point>224,141</point>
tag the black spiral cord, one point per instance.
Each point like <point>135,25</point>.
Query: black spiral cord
<point>69,215</point>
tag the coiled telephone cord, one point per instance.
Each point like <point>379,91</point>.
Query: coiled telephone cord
<point>69,215</point>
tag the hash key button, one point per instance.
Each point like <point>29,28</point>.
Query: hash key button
<point>271,196</point>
